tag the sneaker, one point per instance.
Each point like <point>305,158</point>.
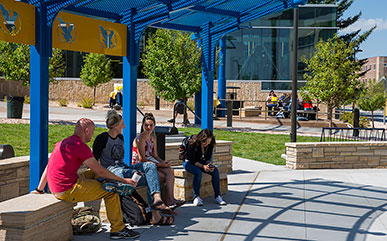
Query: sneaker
<point>118,187</point>
<point>124,233</point>
<point>170,121</point>
<point>198,201</point>
<point>220,201</point>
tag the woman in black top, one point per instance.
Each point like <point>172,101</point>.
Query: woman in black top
<point>199,152</point>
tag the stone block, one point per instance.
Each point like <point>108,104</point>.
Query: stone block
<point>221,149</point>
<point>345,149</point>
<point>373,162</point>
<point>380,152</point>
<point>8,191</point>
<point>23,172</point>
<point>304,150</point>
<point>318,152</point>
<point>35,217</point>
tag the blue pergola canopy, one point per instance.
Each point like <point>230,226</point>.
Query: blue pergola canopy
<point>208,19</point>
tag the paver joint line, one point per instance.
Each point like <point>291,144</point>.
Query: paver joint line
<point>239,208</point>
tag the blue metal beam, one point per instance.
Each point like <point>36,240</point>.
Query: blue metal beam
<point>179,27</point>
<point>93,12</point>
<point>200,8</point>
<point>222,75</point>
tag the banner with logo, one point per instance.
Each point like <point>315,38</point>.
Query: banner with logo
<point>79,33</point>
<point>17,22</point>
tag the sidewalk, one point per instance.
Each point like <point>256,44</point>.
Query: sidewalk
<point>72,114</point>
<point>267,202</point>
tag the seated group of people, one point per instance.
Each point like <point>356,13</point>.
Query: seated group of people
<point>111,177</point>
<point>281,107</point>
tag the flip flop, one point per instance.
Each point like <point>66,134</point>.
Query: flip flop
<point>166,210</point>
<point>178,203</point>
<point>118,187</point>
<point>165,221</point>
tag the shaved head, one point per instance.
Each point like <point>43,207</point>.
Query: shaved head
<point>84,128</point>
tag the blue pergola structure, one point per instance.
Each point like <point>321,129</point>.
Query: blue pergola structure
<point>208,19</point>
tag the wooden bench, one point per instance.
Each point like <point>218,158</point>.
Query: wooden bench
<point>37,217</point>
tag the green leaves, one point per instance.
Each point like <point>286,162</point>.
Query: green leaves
<point>15,62</point>
<point>171,62</point>
<point>333,75</point>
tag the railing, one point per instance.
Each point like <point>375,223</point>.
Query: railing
<point>352,134</point>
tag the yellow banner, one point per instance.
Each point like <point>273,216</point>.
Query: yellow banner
<point>78,33</point>
<point>17,22</point>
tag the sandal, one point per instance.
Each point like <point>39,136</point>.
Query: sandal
<point>121,189</point>
<point>178,203</point>
<point>164,221</point>
<point>160,206</point>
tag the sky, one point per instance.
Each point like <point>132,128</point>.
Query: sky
<point>374,12</point>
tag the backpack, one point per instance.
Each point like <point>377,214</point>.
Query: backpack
<point>183,148</point>
<point>84,221</point>
<point>134,210</point>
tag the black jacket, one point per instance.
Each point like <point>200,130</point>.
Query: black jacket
<point>194,154</point>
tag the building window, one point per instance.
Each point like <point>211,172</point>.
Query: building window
<point>374,66</point>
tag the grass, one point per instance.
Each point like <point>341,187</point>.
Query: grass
<point>255,146</point>
<point>18,136</point>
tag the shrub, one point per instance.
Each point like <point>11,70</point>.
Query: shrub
<point>348,117</point>
<point>191,105</point>
<point>87,102</point>
<point>27,99</point>
<point>63,102</point>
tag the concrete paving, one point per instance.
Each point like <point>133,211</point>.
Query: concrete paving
<point>267,202</point>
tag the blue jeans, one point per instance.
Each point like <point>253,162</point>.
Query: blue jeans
<point>197,172</point>
<point>150,178</point>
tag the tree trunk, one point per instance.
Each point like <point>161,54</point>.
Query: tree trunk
<point>95,87</point>
<point>372,115</point>
<point>330,116</point>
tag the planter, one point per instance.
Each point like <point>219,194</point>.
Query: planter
<point>15,106</point>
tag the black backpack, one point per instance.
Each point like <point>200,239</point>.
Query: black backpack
<point>134,210</point>
<point>183,148</point>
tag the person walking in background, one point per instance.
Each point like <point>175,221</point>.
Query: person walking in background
<point>199,152</point>
<point>144,150</point>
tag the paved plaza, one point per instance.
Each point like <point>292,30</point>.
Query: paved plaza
<point>267,202</point>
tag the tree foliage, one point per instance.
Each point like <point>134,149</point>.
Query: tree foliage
<point>372,98</point>
<point>96,70</point>
<point>15,62</point>
<point>333,76</point>
<point>171,62</point>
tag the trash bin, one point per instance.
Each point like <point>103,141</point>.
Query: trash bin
<point>15,106</point>
<point>161,132</point>
<point>6,151</point>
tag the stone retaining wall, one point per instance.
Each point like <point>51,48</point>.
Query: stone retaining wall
<point>14,177</point>
<point>336,155</point>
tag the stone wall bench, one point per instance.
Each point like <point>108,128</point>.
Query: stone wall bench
<point>315,155</point>
<point>39,217</point>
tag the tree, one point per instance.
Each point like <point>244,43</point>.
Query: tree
<point>15,62</point>
<point>96,70</point>
<point>333,76</point>
<point>372,98</point>
<point>171,62</point>
<point>342,23</point>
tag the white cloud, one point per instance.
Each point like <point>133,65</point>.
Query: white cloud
<point>366,24</point>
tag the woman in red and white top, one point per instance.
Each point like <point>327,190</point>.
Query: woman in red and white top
<point>144,150</point>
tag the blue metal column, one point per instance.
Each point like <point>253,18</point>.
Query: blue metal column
<point>207,78</point>
<point>39,60</point>
<point>222,75</point>
<point>198,107</point>
<point>130,63</point>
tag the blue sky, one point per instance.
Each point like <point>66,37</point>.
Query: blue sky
<point>374,12</point>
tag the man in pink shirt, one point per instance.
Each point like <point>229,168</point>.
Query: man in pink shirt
<point>61,175</point>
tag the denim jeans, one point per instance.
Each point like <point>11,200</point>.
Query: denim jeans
<point>197,172</point>
<point>150,178</point>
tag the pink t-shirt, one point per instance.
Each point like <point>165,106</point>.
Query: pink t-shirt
<point>65,160</point>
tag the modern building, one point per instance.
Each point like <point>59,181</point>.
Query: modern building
<point>262,51</point>
<point>376,68</point>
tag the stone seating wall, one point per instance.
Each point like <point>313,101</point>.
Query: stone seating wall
<point>336,155</point>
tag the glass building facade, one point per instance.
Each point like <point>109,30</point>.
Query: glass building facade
<point>260,52</point>
<point>263,50</point>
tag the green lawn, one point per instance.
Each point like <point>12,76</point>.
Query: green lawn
<point>256,146</point>
<point>18,136</point>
